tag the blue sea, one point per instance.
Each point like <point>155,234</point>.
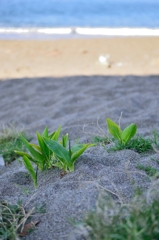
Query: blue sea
<point>89,17</point>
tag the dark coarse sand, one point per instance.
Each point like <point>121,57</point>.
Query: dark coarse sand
<point>75,102</point>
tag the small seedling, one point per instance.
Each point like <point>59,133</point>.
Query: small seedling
<point>51,152</point>
<point>40,155</point>
<point>124,136</point>
<point>65,156</point>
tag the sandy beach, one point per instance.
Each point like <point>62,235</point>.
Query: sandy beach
<point>61,82</point>
<point>70,57</point>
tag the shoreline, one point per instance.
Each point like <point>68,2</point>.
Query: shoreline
<point>52,33</point>
<point>81,56</point>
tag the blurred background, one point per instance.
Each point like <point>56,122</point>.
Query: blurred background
<point>32,15</point>
<point>104,37</point>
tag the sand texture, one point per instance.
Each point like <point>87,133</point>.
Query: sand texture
<point>69,57</point>
<point>76,102</point>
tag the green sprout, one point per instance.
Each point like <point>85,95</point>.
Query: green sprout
<point>65,157</point>
<point>124,136</point>
<point>50,152</point>
<point>40,154</point>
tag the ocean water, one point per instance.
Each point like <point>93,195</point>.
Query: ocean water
<point>74,16</point>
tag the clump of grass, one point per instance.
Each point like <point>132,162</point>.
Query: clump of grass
<point>138,144</point>
<point>10,141</point>
<point>101,140</point>
<point>148,169</point>
<point>11,219</point>
<point>137,220</point>
<point>14,217</point>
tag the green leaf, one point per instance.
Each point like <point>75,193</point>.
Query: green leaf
<point>30,168</point>
<point>56,135</point>
<point>69,149</point>
<point>45,132</point>
<point>71,167</point>
<point>36,155</point>
<point>45,150</point>
<point>36,147</point>
<point>59,165</point>
<point>80,148</point>
<point>129,132</point>
<point>57,149</point>
<point>65,140</point>
<point>22,154</point>
<point>76,147</point>
<point>28,156</point>
<point>114,129</point>
<point>51,135</point>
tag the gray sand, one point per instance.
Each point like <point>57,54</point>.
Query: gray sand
<point>76,102</point>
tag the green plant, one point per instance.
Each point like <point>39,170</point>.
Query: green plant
<point>101,140</point>
<point>124,136</point>
<point>137,220</point>
<point>138,144</point>
<point>12,217</point>
<point>51,153</point>
<point>64,157</point>
<point>9,141</point>
<point>16,221</point>
<point>40,154</point>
